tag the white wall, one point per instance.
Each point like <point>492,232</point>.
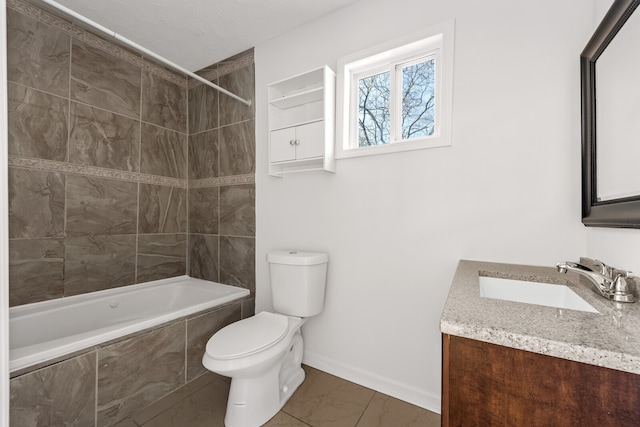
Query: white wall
<point>395,226</point>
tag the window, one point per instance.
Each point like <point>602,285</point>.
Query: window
<point>397,96</point>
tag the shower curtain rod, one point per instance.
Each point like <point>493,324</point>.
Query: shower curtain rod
<point>143,50</point>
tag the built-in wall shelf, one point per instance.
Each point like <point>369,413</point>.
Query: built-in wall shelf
<point>297,99</point>
<point>302,122</point>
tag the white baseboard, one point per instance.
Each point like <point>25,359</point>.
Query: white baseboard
<point>375,382</point>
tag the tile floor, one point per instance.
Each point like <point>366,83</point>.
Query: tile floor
<point>323,400</point>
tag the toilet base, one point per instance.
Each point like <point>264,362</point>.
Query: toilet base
<point>255,400</point>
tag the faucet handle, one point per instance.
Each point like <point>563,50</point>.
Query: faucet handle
<point>620,288</point>
<point>605,270</point>
<point>630,275</point>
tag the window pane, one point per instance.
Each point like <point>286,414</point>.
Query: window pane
<point>418,100</point>
<point>373,110</point>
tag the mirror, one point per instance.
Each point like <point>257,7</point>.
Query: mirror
<point>610,125</point>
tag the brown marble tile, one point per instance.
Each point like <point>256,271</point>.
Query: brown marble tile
<point>237,262</point>
<point>203,257</point>
<point>163,152</point>
<point>203,108</point>
<point>127,422</point>
<point>282,419</point>
<point>248,307</point>
<point>100,138</point>
<point>386,411</point>
<point>237,149</point>
<point>173,398</point>
<point>203,155</point>
<point>59,395</point>
<point>237,210</point>
<point>36,270</point>
<point>37,54</point>
<point>105,81</point>
<point>161,256</point>
<point>99,206</point>
<point>36,204</point>
<point>203,210</point>
<point>323,400</point>
<point>136,372</point>
<point>94,263</point>
<point>205,408</point>
<point>242,83</point>
<point>164,103</point>
<point>37,123</point>
<point>162,209</point>
<point>200,329</point>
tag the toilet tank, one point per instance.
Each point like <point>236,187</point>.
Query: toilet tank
<point>298,281</point>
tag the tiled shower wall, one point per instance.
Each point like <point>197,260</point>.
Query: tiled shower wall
<point>221,175</point>
<point>120,171</point>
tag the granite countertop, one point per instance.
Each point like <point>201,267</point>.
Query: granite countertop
<point>610,338</point>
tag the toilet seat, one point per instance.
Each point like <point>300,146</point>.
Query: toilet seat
<point>248,336</point>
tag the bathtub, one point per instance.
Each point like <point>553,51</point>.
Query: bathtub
<point>48,330</point>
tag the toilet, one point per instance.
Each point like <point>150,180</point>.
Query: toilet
<point>262,354</point>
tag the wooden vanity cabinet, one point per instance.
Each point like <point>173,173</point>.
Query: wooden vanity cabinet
<point>490,385</point>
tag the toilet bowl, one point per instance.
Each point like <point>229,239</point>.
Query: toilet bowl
<point>263,354</point>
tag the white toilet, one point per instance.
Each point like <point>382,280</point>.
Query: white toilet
<point>262,354</point>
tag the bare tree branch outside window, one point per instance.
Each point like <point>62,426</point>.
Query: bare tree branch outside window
<point>373,110</point>
<point>418,100</point>
<point>418,105</point>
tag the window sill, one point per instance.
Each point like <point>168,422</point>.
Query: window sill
<point>397,147</point>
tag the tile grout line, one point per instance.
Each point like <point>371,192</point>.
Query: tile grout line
<point>297,419</point>
<point>135,275</point>
<point>186,338</point>
<point>139,183</point>
<point>365,408</point>
<point>187,255</point>
<point>217,151</point>
<point>63,238</point>
<point>95,412</point>
<point>138,189</point>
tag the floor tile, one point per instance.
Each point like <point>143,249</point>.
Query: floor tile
<point>284,420</point>
<point>323,400</point>
<point>386,411</point>
<point>204,408</point>
<point>327,401</point>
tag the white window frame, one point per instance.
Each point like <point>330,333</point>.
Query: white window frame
<point>435,42</point>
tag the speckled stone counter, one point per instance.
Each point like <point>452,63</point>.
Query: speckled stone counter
<point>610,338</point>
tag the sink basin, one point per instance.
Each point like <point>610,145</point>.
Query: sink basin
<point>546,294</point>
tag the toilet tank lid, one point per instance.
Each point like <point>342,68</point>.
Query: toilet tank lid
<point>297,257</point>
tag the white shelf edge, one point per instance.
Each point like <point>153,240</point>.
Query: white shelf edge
<point>299,81</point>
<point>300,98</point>
<point>292,125</point>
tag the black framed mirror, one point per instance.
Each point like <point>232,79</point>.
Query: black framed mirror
<point>610,180</point>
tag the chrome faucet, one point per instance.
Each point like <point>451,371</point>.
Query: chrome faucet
<point>610,282</point>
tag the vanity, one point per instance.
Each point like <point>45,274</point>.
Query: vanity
<point>507,363</point>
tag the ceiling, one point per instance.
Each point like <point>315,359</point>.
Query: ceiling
<point>198,33</point>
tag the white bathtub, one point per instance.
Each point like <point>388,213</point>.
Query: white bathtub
<point>50,329</point>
